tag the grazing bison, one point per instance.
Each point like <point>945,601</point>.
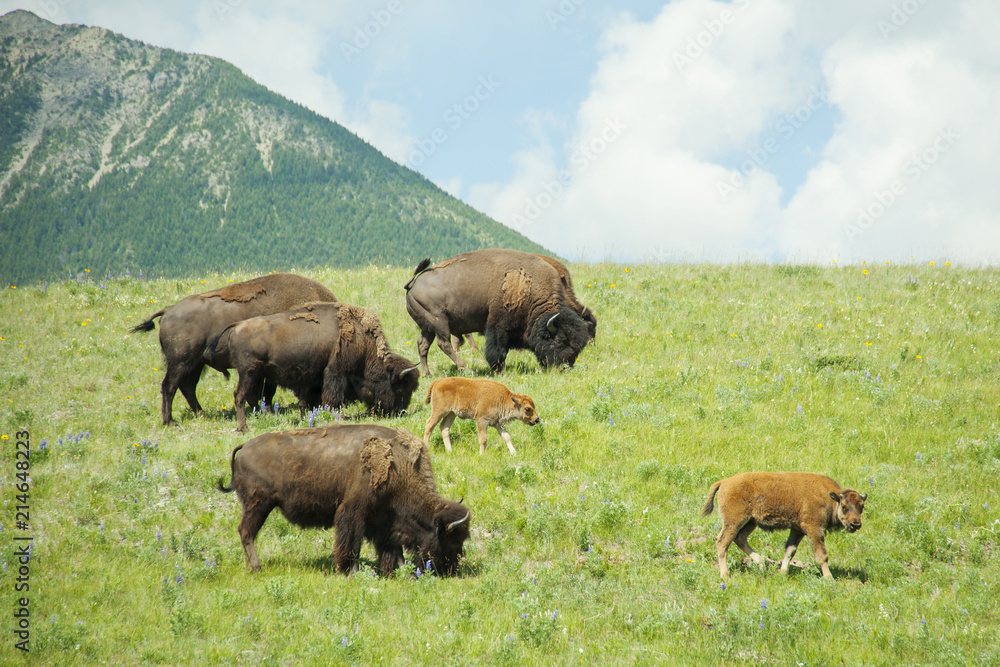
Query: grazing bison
<point>571,300</point>
<point>488,402</point>
<point>515,297</point>
<point>326,353</point>
<point>188,325</point>
<point>802,502</point>
<point>369,482</point>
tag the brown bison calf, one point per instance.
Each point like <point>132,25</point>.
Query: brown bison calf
<point>802,502</point>
<point>488,402</point>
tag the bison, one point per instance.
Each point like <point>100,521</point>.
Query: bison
<point>326,353</point>
<point>802,502</point>
<point>368,481</point>
<point>516,298</point>
<point>574,303</point>
<point>488,402</point>
<point>188,325</point>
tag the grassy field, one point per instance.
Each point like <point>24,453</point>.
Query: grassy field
<point>587,547</point>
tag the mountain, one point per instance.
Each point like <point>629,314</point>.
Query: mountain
<point>118,155</point>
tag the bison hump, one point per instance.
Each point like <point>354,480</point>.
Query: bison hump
<point>376,458</point>
<point>516,288</point>
<point>349,317</point>
<point>240,292</point>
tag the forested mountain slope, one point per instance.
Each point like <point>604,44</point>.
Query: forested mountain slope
<point>117,155</point>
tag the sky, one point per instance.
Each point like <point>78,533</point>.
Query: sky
<point>647,131</point>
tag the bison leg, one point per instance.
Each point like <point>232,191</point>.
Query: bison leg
<point>742,542</point>
<point>794,537</point>
<point>496,349</point>
<point>188,385</point>
<point>389,558</point>
<point>254,515</point>
<point>481,432</point>
<point>249,384</point>
<point>423,347</point>
<point>168,389</point>
<point>350,534</point>
<point>446,423</point>
<point>819,550</point>
<point>457,341</point>
<point>444,342</point>
<point>502,430</point>
<point>723,540</point>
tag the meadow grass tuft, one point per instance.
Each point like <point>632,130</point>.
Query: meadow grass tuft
<point>589,545</point>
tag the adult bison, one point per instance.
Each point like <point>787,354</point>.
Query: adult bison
<point>326,353</point>
<point>370,482</point>
<point>567,280</point>
<point>516,298</point>
<point>188,325</point>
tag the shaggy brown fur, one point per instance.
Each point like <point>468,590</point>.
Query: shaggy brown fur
<point>803,503</point>
<point>489,403</point>
<point>239,292</point>
<point>369,482</point>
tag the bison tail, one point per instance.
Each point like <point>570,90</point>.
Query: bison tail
<point>427,399</point>
<point>148,325</point>
<point>212,349</point>
<point>421,267</point>
<point>710,503</point>
<point>232,471</point>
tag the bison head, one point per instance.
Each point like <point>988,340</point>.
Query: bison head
<point>850,505</point>
<point>404,376</point>
<point>445,547</point>
<point>557,337</point>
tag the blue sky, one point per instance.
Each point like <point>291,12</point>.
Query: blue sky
<point>696,130</point>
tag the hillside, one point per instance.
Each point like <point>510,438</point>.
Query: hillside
<point>117,155</point>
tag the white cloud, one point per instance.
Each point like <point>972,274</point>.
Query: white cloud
<point>917,135</point>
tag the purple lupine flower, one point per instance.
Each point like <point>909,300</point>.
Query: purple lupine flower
<point>763,604</point>
<point>343,642</point>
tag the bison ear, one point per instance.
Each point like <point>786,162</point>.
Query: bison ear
<point>835,496</point>
<point>864,497</point>
<point>517,403</point>
<point>376,458</point>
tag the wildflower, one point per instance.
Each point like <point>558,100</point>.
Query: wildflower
<point>178,577</point>
<point>100,529</point>
<point>763,604</point>
<point>159,536</point>
<point>918,456</point>
<point>343,642</point>
<point>555,614</point>
<point>800,408</point>
<point>723,587</point>
<point>865,272</point>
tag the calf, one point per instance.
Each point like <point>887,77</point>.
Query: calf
<point>804,503</point>
<point>488,402</point>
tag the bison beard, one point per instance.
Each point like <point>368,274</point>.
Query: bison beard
<point>369,482</point>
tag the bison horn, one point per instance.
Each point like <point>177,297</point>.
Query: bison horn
<point>549,325</point>
<point>455,524</point>
<point>583,313</point>
<point>412,368</point>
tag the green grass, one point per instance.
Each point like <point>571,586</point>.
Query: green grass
<point>588,547</point>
